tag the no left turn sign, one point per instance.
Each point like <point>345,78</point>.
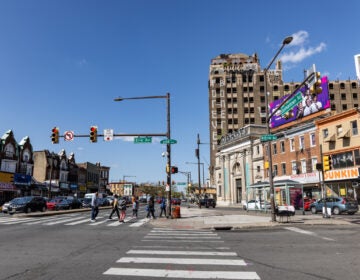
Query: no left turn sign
<point>69,135</point>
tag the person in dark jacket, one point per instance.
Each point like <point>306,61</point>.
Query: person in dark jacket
<point>151,208</point>
<point>163,207</point>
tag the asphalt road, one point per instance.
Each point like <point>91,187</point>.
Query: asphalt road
<point>63,247</point>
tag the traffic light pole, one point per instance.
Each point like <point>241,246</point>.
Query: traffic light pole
<point>323,187</point>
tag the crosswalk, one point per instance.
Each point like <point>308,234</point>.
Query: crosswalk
<point>71,220</point>
<point>180,253</point>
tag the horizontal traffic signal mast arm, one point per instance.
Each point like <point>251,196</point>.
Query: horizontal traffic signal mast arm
<point>122,134</point>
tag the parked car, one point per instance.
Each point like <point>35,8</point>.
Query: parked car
<point>338,205</point>
<point>257,205</point>
<point>86,203</point>
<point>27,204</point>
<point>64,204</point>
<point>74,202</point>
<point>5,207</point>
<point>175,201</point>
<point>51,204</point>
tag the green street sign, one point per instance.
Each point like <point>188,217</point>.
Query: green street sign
<point>168,141</point>
<point>268,137</point>
<point>291,103</point>
<point>146,139</point>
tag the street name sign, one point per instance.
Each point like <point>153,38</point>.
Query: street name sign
<point>168,141</point>
<point>291,103</point>
<point>268,137</point>
<point>140,139</point>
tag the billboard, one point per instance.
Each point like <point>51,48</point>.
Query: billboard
<point>302,104</point>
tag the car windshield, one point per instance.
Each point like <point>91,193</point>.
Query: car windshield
<point>21,200</point>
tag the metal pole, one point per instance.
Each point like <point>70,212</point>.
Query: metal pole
<point>198,156</point>
<point>168,150</point>
<point>286,41</point>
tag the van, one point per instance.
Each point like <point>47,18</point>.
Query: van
<point>89,195</point>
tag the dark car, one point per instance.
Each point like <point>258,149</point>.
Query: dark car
<point>210,202</point>
<point>337,205</point>
<point>64,204</point>
<point>27,204</point>
<point>74,203</point>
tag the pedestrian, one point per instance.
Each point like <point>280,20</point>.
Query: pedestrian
<point>94,207</point>
<point>162,207</point>
<point>135,206</point>
<point>122,206</point>
<point>151,206</point>
<point>115,208</point>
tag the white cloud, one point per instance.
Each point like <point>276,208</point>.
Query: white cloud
<point>301,52</point>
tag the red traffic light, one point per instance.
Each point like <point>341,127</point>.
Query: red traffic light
<point>55,135</point>
<point>93,134</point>
<point>174,170</point>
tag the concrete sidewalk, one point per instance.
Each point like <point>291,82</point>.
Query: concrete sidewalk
<point>196,218</point>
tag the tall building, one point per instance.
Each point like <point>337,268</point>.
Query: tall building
<point>237,95</point>
<point>357,65</point>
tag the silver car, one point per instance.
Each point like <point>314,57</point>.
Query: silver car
<point>337,205</point>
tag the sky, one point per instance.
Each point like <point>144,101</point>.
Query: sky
<point>62,63</point>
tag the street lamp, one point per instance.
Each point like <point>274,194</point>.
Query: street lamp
<point>202,169</point>
<point>168,145</point>
<point>285,42</point>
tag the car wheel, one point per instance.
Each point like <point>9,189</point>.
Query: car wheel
<point>351,213</point>
<point>43,209</point>
<point>27,210</point>
<point>313,210</point>
<point>70,207</point>
<point>336,211</point>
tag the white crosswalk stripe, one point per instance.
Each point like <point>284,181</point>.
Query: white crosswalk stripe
<point>71,219</point>
<point>163,258</point>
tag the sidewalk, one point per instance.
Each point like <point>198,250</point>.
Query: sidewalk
<point>196,218</point>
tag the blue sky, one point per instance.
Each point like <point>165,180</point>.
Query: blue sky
<point>63,62</point>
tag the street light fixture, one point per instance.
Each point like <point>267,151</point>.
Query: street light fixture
<point>168,145</point>
<point>285,42</point>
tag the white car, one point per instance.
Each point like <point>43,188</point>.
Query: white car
<point>5,207</point>
<point>255,205</point>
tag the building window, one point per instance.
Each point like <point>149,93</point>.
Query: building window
<point>274,149</point>
<point>293,168</point>
<point>303,166</point>
<point>312,139</point>
<point>283,168</point>
<point>292,144</point>
<point>342,85</point>
<point>230,121</point>
<point>343,96</point>
<point>325,133</point>
<point>262,99</point>
<point>234,90</point>
<point>339,130</point>
<point>301,142</point>
<point>354,128</point>
<point>275,171</point>
<point>344,107</point>
<point>313,164</point>
<point>258,168</point>
<point>357,157</point>
<point>332,96</point>
<point>355,96</point>
<point>282,146</point>
<point>235,110</point>
<point>353,85</point>
<point>258,149</point>
<point>331,86</point>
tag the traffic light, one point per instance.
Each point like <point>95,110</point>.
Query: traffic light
<point>327,163</point>
<point>174,170</point>
<point>55,135</point>
<point>93,134</point>
<point>316,87</point>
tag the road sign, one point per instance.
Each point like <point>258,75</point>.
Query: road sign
<point>268,137</point>
<point>291,103</point>
<point>181,183</point>
<point>108,134</point>
<point>168,141</point>
<point>69,135</point>
<point>141,139</point>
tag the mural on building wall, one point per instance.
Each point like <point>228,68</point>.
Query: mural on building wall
<point>300,105</point>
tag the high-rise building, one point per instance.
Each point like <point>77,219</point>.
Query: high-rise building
<point>357,65</point>
<point>237,95</point>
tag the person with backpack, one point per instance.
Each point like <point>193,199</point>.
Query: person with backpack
<point>115,208</point>
<point>162,207</point>
<point>151,207</point>
<point>122,206</point>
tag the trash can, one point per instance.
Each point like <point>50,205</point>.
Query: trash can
<point>175,212</point>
